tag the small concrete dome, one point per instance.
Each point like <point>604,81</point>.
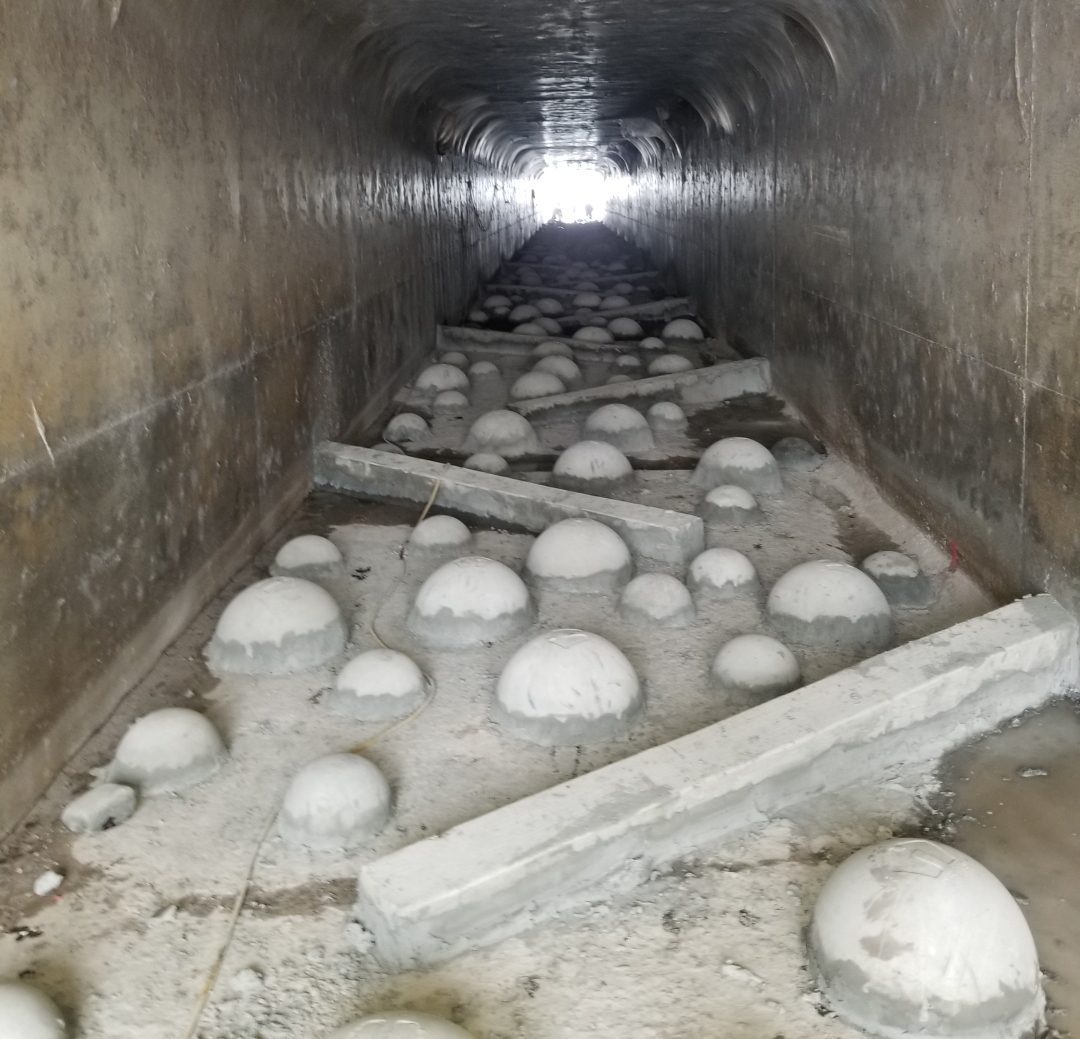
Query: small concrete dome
<point>549,325</point>
<point>621,425</point>
<point>592,467</point>
<point>652,343</point>
<point>549,307</point>
<point>553,349</point>
<point>614,303</point>
<point>829,604</point>
<point>567,687</point>
<point>441,377</point>
<point>579,555</point>
<point>400,1024</point>
<point>27,1013</point>
<point>666,417</point>
<point>500,312</point>
<point>450,402</point>
<point>564,369</point>
<point>621,377</point>
<point>488,463</point>
<point>729,504</point>
<point>537,384</point>
<point>911,938</point>
<point>722,573</point>
<point>628,363</point>
<point>277,626</point>
<point>440,533</point>
<point>456,358</point>
<point>657,600</point>
<point>755,668</point>
<point>530,278</point>
<point>899,578</point>
<point>525,312</point>
<point>531,328</point>
<point>682,328</point>
<point>587,299</point>
<point>592,334</point>
<point>797,454</point>
<point>617,267</point>
<point>310,557</point>
<point>596,321</point>
<point>477,317</point>
<point>335,802</point>
<point>625,328</point>
<point>469,602</point>
<point>377,686</point>
<point>166,751</point>
<point>406,428</point>
<point>502,433</point>
<point>484,370</point>
<point>497,302</point>
<point>670,364</point>
<point>739,461</point>
<point>623,288</point>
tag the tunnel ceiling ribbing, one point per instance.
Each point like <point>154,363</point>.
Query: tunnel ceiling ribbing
<point>521,83</point>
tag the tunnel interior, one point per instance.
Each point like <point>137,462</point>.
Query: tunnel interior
<point>234,241</point>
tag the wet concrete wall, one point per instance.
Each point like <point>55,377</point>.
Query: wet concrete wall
<point>905,247</point>
<point>211,256</point>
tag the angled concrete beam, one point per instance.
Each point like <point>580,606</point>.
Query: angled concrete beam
<point>656,534</point>
<point>697,386</point>
<point>501,873</point>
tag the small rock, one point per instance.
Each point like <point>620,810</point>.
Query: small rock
<point>246,980</point>
<point>48,882</point>
<point>1031,773</point>
<point>106,805</point>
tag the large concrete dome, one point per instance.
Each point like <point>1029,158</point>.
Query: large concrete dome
<point>910,938</point>
<point>567,687</point>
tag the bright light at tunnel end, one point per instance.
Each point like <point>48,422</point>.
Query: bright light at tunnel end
<point>572,193</point>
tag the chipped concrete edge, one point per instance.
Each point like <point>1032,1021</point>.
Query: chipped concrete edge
<point>657,534</point>
<point>504,872</point>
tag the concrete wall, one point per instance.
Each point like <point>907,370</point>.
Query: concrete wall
<point>905,247</point>
<point>211,256</point>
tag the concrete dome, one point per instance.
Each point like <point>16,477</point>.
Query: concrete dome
<point>439,377</point>
<point>910,938</point>
<point>628,363</point>
<point>440,532</point>
<point>621,377</point>
<point>549,307</point>
<point>525,312</point>
<point>740,461</point>
<point>579,555</point>
<point>829,604</point>
<point>553,349</point>
<point>568,687</point>
<point>593,467</point>
<point>670,364</point>
<point>625,328</point>
<point>657,600</point>
<point>563,368</point>
<point>310,557</point>
<point>549,325</point>
<point>589,287</point>
<point>729,504</point>
<point>614,303</point>
<point>406,428</point>
<point>653,343</point>
<point>487,463</point>
<point>587,299</point>
<point>532,328</point>
<point>530,278</point>
<point>378,685</point>
<point>666,417</point>
<point>723,573</point>
<point>755,668</point>
<point>497,302</point>
<point>456,358</point>
<point>596,321</point>
<point>27,1013</point>
<point>682,328</point>
<point>537,384</point>
<point>592,334</point>
<point>484,370</point>
<point>623,288</point>
<point>400,1024</point>
<point>277,626</point>
<point>502,433</point>
<point>166,751</point>
<point>449,402</point>
<point>334,802</point>
<point>621,425</point>
<point>477,317</point>
<point>469,602</point>
<point>797,454</point>
<point>900,579</point>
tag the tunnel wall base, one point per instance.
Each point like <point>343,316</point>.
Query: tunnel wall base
<point>212,256</point>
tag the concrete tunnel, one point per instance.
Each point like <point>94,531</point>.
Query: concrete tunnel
<point>808,327</point>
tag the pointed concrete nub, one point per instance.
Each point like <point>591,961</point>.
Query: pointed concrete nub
<point>912,938</point>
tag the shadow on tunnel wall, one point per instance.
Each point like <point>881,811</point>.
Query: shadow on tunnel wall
<point>905,246</point>
<point>211,255</point>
